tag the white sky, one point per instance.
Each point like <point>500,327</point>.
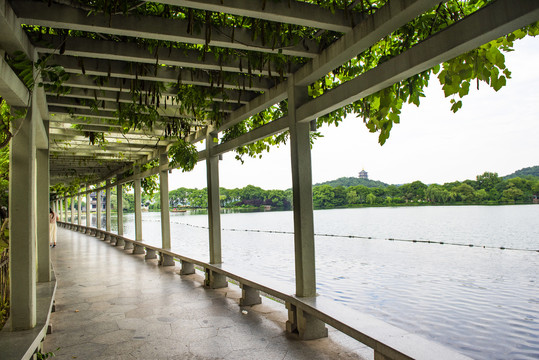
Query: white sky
<point>493,131</point>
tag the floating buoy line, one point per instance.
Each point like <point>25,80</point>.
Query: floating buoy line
<point>370,238</point>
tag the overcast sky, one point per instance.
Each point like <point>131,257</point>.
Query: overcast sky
<point>493,131</point>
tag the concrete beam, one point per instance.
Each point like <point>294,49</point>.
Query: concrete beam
<point>491,22</point>
<point>231,96</point>
<point>12,88</point>
<point>262,132</point>
<point>115,84</point>
<point>258,104</point>
<point>134,54</point>
<point>150,27</point>
<point>291,12</point>
<point>12,37</point>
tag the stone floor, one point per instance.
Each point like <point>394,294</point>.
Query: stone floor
<point>114,305</point>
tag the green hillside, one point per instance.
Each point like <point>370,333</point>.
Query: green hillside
<point>353,181</point>
<point>532,170</point>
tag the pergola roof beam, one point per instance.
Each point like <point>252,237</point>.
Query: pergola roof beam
<point>497,19</point>
<point>291,12</point>
<point>131,52</point>
<point>107,109</point>
<point>12,88</point>
<point>115,84</point>
<point>258,104</point>
<point>149,27</point>
<point>12,36</point>
<point>124,97</point>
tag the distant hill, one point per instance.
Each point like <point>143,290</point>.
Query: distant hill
<point>353,181</point>
<point>532,170</point>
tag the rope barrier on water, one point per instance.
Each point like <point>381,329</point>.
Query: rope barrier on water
<point>370,238</point>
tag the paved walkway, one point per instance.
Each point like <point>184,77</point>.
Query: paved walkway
<point>114,305</point>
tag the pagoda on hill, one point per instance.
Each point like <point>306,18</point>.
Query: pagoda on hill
<point>363,175</point>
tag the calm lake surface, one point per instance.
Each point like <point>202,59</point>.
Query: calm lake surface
<point>481,301</point>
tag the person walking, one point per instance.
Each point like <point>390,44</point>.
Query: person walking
<point>52,228</point>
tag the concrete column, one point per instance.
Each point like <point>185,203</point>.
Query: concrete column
<point>60,216</point>
<point>120,209</point>
<point>305,325</point>
<point>138,210</point>
<point>88,208</point>
<point>165,214</point>
<point>42,194</point>
<point>107,207</point>
<point>66,209</point>
<point>79,210</point>
<point>72,209</point>
<point>98,209</point>
<point>22,227</point>
<point>214,280</point>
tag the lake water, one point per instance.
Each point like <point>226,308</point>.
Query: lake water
<point>482,301</point>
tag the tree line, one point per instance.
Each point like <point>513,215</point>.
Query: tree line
<point>487,188</point>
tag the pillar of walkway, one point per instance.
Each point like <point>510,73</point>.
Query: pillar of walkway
<point>79,209</point>
<point>66,209</point>
<point>22,213</point>
<point>138,210</point>
<point>107,207</point>
<point>163,190</point>
<point>98,209</point>
<point>120,209</point>
<point>304,324</point>
<point>214,280</point>
<point>42,208</point>
<point>60,209</point>
<point>73,209</point>
<point>88,207</point>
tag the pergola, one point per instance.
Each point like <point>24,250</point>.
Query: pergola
<point>201,68</point>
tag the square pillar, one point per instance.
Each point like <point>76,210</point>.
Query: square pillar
<point>88,208</point>
<point>107,207</point>
<point>213,279</point>
<point>72,209</point>
<point>98,206</point>
<point>79,210</point>
<point>300,148</point>
<point>22,227</point>
<point>307,326</point>
<point>120,209</point>
<point>42,208</point>
<point>138,210</point>
<point>163,192</point>
<point>60,210</point>
<point>66,209</point>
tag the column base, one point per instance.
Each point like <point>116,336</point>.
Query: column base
<point>138,250</point>
<point>187,268</point>
<point>166,260</point>
<point>249,296</point>
<point>305,325</point>
<point>150,254</point>
<point>215,280</point>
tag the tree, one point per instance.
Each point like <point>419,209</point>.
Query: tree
<point>488,180</point>
<point>465,192</point>
<point>323,197</point>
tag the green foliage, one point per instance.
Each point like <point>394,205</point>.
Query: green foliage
<point>183,155</point>
<point>488,188</point>
<point>528,171</point>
